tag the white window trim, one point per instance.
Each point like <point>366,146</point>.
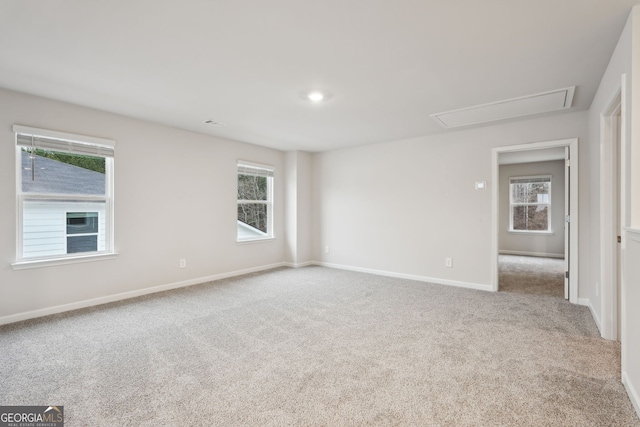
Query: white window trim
<point>255,240</point>
<point>35,262</point>
<point>542,232</point>
<point>270,235</point>
<point>64,136</point>
<point>53,261</point>
<point>549,230</point>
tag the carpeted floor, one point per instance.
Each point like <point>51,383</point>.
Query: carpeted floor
<point>319,347</point>
<point>531,275</point>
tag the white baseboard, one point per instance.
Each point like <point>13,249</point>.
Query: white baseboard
<point>631,391</point>
<point>587,303</point>
<point>538,254</point>
<point>459,284</point>
<point>131,294</point>
<point>299,264</point>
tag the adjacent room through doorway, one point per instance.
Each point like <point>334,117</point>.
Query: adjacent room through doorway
<point>532,226</point>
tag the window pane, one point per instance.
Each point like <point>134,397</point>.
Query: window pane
<point>531,192</point>
<point>532,218</point>
<point>54,172</point>
<point>254,215</point>
<point>77,244</point>
<point>252,187</point>
<point>82,222</point>
<point>46,228</point>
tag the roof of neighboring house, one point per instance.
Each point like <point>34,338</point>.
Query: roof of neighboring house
<point>52,176</point>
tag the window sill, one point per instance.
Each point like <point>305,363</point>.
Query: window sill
<point>259,240</point>
<point>543,233</point>
<point>49,262</point>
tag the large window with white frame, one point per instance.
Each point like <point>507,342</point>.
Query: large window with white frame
<point>255,202</point>
<point>64,195</point>
<point>530,204</point>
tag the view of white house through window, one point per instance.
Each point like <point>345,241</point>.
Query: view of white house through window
<point>64,194</point>
<point>255,202</point>
<point>82,232</point>
<point>530,203</point>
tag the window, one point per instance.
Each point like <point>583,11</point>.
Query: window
<point>82,232</point>
<point>530,203</point>
<point>255,202</point>
<point>64,192</point>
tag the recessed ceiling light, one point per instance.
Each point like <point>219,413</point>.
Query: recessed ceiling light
<point>214,123</point>
<point>315,96</point>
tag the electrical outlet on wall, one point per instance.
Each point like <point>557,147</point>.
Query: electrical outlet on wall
<point>448,262</point>
<point>327,249</point>
<point>183,263</point>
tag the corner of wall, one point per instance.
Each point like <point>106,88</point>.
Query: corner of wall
<point>596,318</point>
<point>632,392</point>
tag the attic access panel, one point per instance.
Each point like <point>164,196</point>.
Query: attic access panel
<point>539,103</point>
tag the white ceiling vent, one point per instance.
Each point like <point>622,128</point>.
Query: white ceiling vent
<point>544,102</point>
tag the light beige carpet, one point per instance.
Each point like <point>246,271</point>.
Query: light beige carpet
<point>531,275</point>
<point>319,347</point>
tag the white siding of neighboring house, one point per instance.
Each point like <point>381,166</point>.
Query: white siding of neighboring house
<point>45,226</point>
<point>247,232</point>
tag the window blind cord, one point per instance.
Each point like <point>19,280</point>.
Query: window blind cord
<point>33,159</point>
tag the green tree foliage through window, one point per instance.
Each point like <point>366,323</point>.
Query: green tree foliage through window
<point>252,195</point>
<point>530,203</point>
<point>96,164</point>
<point>532,218</point>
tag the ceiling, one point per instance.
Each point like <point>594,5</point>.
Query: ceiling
<point>387,65</point>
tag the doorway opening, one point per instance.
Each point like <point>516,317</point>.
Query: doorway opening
<point>565,155</point>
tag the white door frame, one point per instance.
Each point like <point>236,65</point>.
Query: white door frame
<point>572,143</point>
<point>608,182</point>
<point>567,211</point>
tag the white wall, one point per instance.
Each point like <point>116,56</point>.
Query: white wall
<point>533,244</point>
<point>298,215</point>
<point>631,293</point>
<point>631,318</point>
<point>175,197</point>
<point>402,207</point>
<point>625,60</point>
<point>305,213</point>
<point>620,63</point>
<point>290,206</point>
